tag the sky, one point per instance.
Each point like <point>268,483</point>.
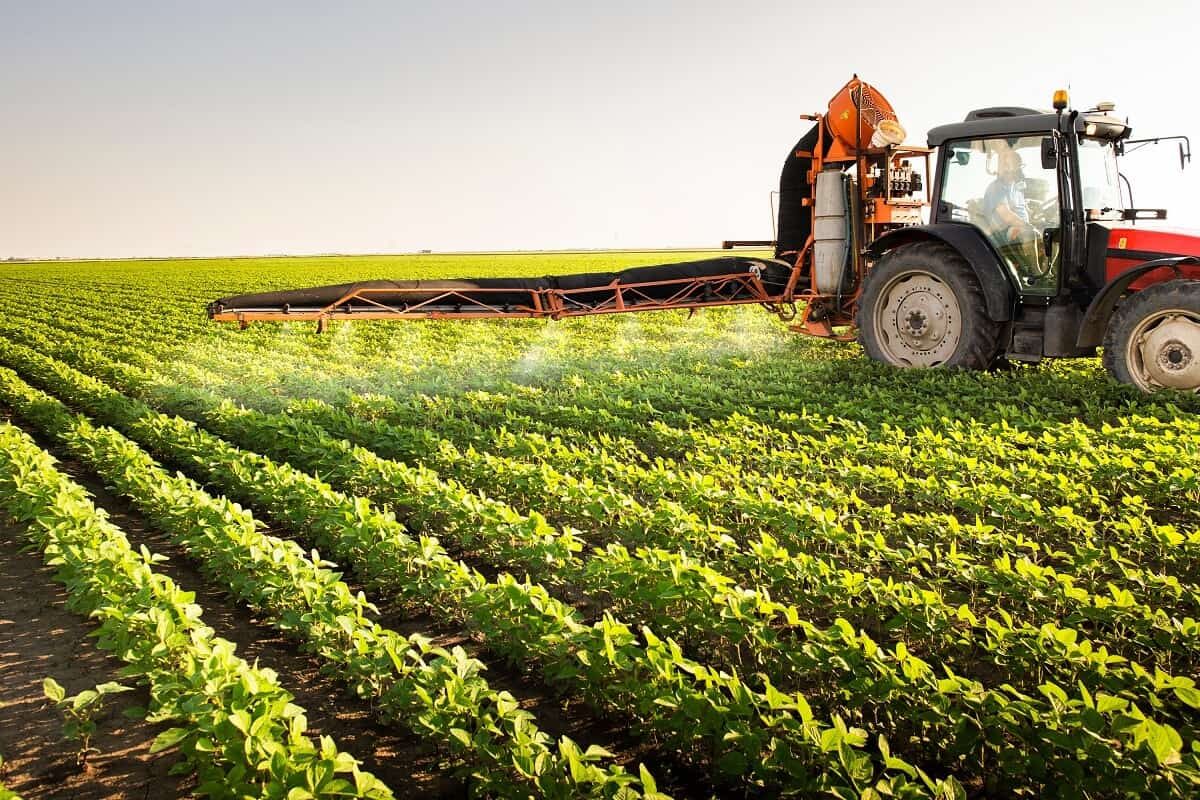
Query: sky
<point>204,129</point>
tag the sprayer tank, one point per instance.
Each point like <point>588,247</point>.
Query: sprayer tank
<point>831,231</point>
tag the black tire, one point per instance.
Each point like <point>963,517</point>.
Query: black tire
<point>1141,315</point>
<point>936,268</point>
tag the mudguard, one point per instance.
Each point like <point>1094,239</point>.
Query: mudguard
<point>998,291</point>
<point>1095,319</point>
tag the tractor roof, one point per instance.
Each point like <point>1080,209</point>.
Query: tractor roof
<point>996,121</point>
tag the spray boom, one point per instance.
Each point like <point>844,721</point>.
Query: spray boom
<point>845,182</point>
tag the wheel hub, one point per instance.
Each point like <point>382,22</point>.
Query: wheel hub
<point>924,319</point>
<point>919,319</point>
<point>1167,348</point>
<point>917,325</point>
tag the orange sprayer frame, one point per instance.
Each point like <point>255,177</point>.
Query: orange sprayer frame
<point>823,313</point>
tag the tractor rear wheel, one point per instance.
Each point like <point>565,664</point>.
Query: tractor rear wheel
<point>922,307</point>
<point>1153,338</point>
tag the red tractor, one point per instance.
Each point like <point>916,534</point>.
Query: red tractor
<point>1029,252</point>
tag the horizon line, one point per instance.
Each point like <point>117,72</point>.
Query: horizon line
<point>555,251</point>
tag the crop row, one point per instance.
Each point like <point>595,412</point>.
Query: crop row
<point>585,486</point>
<point>613,569</point>
<point>767,733</point>
<point>1094,552</point>
<point>1087,557</point>
<point>1071,466</point>
<point>430,353</point>
<point>435,692</point>
<point>1136,629</point>
<point>239,351</point>
<point>687,598</point>
<point>798,578</point>
<point>915,666</point>
<point>237,728</point>
<point>887,483</point>
<point>759,386</point>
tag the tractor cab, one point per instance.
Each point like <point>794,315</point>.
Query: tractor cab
<point>1033,253</point>
<point>1031,182</point>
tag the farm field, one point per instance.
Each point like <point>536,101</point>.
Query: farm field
<point>623,556</point>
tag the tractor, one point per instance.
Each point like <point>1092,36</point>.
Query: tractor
<point>1007,238</point>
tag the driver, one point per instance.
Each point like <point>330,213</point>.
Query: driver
<point>1004,201</point>
<point>1005,208</point>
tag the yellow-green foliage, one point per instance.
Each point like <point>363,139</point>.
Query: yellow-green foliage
<point>798,570</point>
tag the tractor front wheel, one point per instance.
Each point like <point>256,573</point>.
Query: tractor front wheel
<point>1153,338</point>
<point>922,307</point>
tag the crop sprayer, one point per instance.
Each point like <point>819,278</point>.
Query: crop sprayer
<point>1030,252</point>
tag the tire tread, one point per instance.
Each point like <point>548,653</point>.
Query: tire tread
<point>979,347</point>
<point>1182,292</point>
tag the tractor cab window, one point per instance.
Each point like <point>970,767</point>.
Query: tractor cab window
<point>1099,179</point>
<point>1000,186</point>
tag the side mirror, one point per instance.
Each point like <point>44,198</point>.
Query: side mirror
<point>1183,157</point>
<point>1049,153</point>
<point>962,157</point>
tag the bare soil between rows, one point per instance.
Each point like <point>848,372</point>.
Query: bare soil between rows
<point>39,637</point>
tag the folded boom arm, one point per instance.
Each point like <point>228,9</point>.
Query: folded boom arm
<point>715,282</point>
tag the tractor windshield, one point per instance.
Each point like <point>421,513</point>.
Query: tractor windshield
<point>1099,179</point>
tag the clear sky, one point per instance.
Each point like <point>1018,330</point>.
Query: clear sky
<point>220,128</point>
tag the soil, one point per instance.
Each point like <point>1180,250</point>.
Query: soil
<point>40,638</point>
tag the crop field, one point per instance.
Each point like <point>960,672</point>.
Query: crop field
<point>626,556</point>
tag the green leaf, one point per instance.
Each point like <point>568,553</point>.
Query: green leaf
<point>595,752</point>
<point>112,688</point>
<point>462,736</point>
<point>1165,743</point>
<point>951,789</point>
<point>53,690</point>
<point>168,738</point>
<point>241,720</point>
<point>1189,695</point>
<point>84,698</point>
<point>648,784</point>
<point>506,705</point>
<point>1106,703</point>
